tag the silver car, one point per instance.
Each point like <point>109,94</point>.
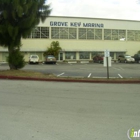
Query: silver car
<point>34,59</point>
<point>126,59</point>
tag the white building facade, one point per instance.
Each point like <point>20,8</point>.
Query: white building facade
<point>82,38</point>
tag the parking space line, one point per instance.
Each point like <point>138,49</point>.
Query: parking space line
<point>103,77</point>
<point>89,75</point>
<point>60,74</point>
<point>116,69</point>
<point>121,68</point>
<point>120,76</point>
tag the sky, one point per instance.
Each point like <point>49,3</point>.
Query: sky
<point>110,9</point>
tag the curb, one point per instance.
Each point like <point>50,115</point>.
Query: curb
<point>71,80</point>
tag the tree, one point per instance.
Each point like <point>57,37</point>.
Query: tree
<point>17,19</point>
<point>139,51</point>
<point>53,49</point>
<point>17,59</point>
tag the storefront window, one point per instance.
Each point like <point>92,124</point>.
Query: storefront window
<point>112,55</point>
<point>84,55</point>
<point>70,55</point>
<point>96,53</point>
<point>119,53</point>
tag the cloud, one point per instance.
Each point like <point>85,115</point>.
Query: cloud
<point>116,9</point>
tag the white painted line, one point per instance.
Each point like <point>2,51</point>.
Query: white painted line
<point>104,77</point>
<point>121,68</point>
<point>120,76</point>
<point>89,75</point>
<point>116,69</point>
<point>60,74</point>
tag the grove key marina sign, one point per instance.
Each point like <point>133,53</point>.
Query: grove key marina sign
<point>75,24</point>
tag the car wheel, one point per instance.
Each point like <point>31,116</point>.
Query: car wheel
<point>125,61</point>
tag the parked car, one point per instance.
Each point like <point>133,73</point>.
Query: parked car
<point>137,58</point>
<point>126,58</point>
<point>50,59</point>
<point>98,58</point>
<point>34,59</point>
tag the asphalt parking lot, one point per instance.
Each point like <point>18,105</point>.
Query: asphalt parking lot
<point>88,70</point>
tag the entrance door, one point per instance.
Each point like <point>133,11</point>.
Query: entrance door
<point>61,56</point>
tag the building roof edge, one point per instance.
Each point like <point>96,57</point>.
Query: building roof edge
<point>95,18</point>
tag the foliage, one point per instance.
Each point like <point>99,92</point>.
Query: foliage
<point>18,18</point>
<point>53,49</point>
<point>139,51</point>
<point>16,59</point>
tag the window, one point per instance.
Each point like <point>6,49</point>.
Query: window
<point>84,55</point>
<point>90,33</point>
<point>40,32</point>
<point>115,35</point>
<point>70,55</point>
<point>55,32</point>
<point>133,35</point>
<point>44,32</point>
<point>72,33</point>
<point>36,32</point>
<point>122,34</point>
<point>82,33</point>
<point>63,33</point>
<point>112,34</point>
<point>107,34</point>
<point>98,34</point>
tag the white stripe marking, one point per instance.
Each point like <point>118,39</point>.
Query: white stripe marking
<point>121,68</point>
<point>104,77</point>
<point>120,76</point>
<point>89,75</point>
<point>60,74</point>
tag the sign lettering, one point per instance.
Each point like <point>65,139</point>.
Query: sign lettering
<point>75,24</point>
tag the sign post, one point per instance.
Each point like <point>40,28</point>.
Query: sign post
<point>107,61</point>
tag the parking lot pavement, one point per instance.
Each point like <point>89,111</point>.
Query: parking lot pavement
<point>97,70</point>
<point>88,70</point>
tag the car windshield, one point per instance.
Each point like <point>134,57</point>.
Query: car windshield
<point>50,57</point>
<point>34,56</point>
<point>128,56</point>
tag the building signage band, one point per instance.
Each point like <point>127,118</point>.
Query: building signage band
<point>75,24</point>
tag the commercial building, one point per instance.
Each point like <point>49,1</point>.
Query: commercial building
<point>82,38</point>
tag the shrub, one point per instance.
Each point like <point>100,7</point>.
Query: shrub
<point>16,60</point>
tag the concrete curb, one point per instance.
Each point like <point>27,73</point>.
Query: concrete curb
<point>72,80</point>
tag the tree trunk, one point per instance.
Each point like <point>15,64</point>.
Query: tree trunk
<point>10,51</point>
